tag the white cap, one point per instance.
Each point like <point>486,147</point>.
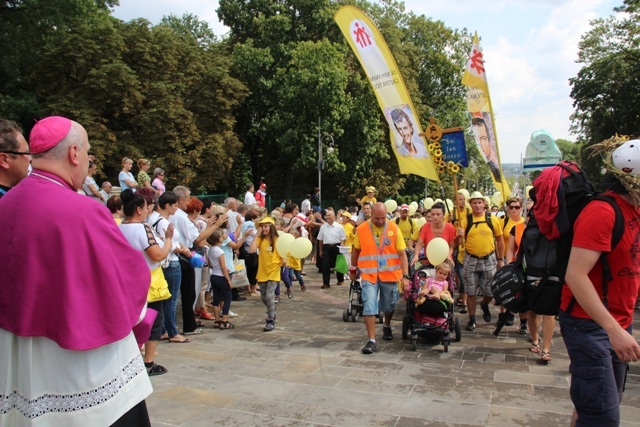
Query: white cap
<point>627,157</point>
<point>354,218</point>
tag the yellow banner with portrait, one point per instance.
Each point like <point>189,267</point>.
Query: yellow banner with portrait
<point>382,71</point>
<point>482,121</point>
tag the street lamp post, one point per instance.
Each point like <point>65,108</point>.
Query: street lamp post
<point>320,159</point>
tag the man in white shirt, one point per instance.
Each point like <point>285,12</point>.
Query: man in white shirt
<point>188,235</point>
<point>331,236</point>
<point>249,199</point>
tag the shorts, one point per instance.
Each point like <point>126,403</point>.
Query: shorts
<point>156,329</point>
<point>597,375</point>
<point>388,292</point>
<point>478,274</point>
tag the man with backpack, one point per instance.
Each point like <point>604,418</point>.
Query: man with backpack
<point>483,235</point>
<point>596,307</point>
<point>406,225</point>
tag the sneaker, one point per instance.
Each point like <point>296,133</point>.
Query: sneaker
<point>523,330</point>
<point>511,318</point>
<point>387,335</point>
<point>233,314</point>
<point>471,326</point>
<point>325,287</point>
<point>486,313</point>
<point>369,347</point>
<point>269,326</point>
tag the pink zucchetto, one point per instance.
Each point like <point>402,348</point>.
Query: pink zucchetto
<point>47,133</point>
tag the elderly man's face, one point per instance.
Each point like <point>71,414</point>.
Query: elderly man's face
<point>329,217</point>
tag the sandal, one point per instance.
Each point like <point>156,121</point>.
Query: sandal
<point>217,323</point>
<point>545,356</point>
<point>184,341</point>
<point>535,347</point>
<point>463,308</point>
<point>303,288</point>
<point>200,324</point>
<point>206,315</point>
<point>227,325</point>
<point>156,369</point>
<point>289,294</point>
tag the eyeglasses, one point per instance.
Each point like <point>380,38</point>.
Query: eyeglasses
<point>515,207</point>
<point>17,153</point>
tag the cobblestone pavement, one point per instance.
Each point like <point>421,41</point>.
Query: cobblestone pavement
<point>310,372</point>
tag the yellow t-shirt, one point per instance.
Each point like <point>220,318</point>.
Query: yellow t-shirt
<point>406,227</point>
<point>507,230</point>
<point>479,241</point>
<point>294,263</point>
<point>366,198</point>
<point>269,262</point>
<point>459,215</point>
<point>350,232</point>
<point>377,231</point>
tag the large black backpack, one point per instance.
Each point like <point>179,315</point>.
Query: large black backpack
<point>544,260</point>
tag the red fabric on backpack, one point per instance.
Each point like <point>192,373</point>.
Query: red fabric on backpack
<point>547,206</point>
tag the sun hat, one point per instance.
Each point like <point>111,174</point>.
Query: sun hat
<point>370,188</point>
<point>266,220</point>
<point>346,213</point>
<point>621,158</point>
<point>354,218</point>
<point>476,195</point>
<point>47,133</point>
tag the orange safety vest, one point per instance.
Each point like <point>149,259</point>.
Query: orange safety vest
<point>373,263</point>
<point>519,232</point>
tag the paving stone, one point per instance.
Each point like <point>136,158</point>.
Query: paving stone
<point>310,372</point>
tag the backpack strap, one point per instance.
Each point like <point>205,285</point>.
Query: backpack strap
<point>506,221</point>
<point>616,236</point>
<point>487,220</point>
<point>155,224</point>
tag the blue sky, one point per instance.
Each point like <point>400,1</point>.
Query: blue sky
<point>530,49</point>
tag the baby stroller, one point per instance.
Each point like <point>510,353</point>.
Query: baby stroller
<point>430,325</point>
<point>356,306</point>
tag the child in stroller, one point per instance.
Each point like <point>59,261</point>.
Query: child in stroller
<point>430,305</point>
<point>434,296</point>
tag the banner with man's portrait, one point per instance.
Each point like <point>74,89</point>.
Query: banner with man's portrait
<point>387,83</point>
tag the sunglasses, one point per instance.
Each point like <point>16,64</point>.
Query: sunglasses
<point>515,207</point>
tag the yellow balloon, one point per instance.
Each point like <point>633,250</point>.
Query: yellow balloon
<point>412,209</point>
<point>414,204</point>
<point>300,248</point>
<point>437,201</point>
<point>497,199</point>
<point>283,243</point>
<point>428,202</point>
<point>437,251</point>
<point>280,232</point>
<point>422,221</point>
<point>391,205</point>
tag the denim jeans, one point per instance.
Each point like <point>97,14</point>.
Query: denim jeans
<point>173,275</point>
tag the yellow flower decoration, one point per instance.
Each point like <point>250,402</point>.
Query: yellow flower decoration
<point>437,145</point>
<point>437,153</point>
<point>431,147</point>
<point>454,169</point>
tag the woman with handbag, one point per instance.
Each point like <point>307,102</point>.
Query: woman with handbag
<point>141,237</point>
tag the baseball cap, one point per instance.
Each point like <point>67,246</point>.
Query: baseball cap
<point>404,207</point>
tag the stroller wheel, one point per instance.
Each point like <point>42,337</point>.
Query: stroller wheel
<point>354,316</point>
<point>414,342</point>
<point>406,320</point>
<point>345,315</point>
<point>446,346</point>
<point>456,323</point>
